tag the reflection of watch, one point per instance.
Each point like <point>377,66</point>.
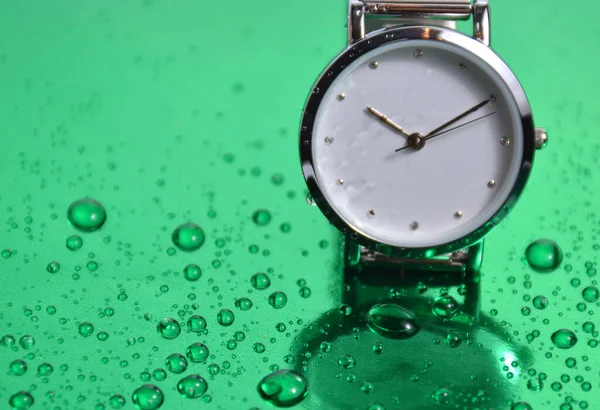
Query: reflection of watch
<point>417,140</point>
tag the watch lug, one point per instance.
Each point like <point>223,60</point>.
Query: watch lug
<point>356,20</point>
<point>481,22</point>
<point>541,138</point>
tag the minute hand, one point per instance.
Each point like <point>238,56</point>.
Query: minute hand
<point>460,117</point>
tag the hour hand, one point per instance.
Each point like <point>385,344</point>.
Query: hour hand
<point>384,119</point>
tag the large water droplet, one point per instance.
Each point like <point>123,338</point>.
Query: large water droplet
<point>544,255</point>
<point>225,317</point>
<point>283,388</point>
<point>176,363</point>
<point>86,214</point>
<point>564,339</point>
<point>277,300</point>
<point>148,397</point>
<point>445,307</point>
<point>18,367</point>
<point>192,386</point>
<point>21,400</point>
<point>260,281</point>
<point>27,342</point>
<point>168,328</point>
<point>197,352</point>
<point>393,321</point>
<point>188,237</point>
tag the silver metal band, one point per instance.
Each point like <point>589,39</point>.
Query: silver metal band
<point>365,16</point>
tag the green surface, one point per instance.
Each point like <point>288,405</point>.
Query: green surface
<point>169,112</point>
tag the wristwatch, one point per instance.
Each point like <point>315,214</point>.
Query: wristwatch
<point>417,139</point>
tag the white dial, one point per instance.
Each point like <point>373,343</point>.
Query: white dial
<point>425,197</point>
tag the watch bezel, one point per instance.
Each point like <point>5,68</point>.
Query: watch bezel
<point>370,42</point>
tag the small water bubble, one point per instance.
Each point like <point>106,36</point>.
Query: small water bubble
<point>168,328</point>
<point>305,292</point>
<point>521,406</point>
<point>378,348</point>
<point>147,397</point>
<point>261,217</point>
<point>188,237</point>
<point>225,317</point>
<point>347,362</point>
<point>535,384</point>
<point>192,386</point>
<point>213,369</point>
<point>159,374</point>
<point>192,272</point>
<point>325,347</point>
<point>45,369</point>
<point>277,300</point>
<point>393,321</point>
<point>283,388</point>
<point>540,302</point>
<point>27,342</point>
<point>197,352</point>
<point>86,214</point>
<point>117,401</point>
<point>590,294</point>
<point>74,242</point>
<point>564,339</point>
<point>260,281</point>
<point>196,323</point>
<point>176,363</point>
<point>544,255</point>
<point>102,336</point>
<point>453,339</point>
<point>442,395</point>
<point>258,347</point>
<point>445,307</point>
<point>53,267</point>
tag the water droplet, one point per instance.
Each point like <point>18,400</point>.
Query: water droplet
<point>305,292</point>
<point>213,369</point>
<point>564,339</point>
<point>535,384</point>
<point>9,341</point>
<point>376,406</point>
<point>393,321</point>
<point>21,400</point>
<point>325,347</point>
<point>192,272</point>
<point>192,386</point>
<point>17,367</point>
<point>277,300</point>
<point>197,352</point>
<point>86,214</point>
<point>196,323</point>
<point>102,336</point>
<point>176,363</point>
<point>261,217</point>
<point>590,294</point>
<point>148,397</point>
<point>347,362</point>
<point>544,255</point>
<point>188,237</point>
<point>453,339</point>
<point>27,342</point>
<point>86,329</point>
<point>283,388</point>
<point>540,302</point>
<point>225,317</point>
<point>243,303</point>
<point>378,348</point>
<point>445,306</point>
<point>74,242</point>
<point>260,281</point>
<point>168,328</point>
<point>45,369</point>
<point>310,200</point>
<point>442,395</point>
<point>521,406</point>
<point>159,374</point>
<point>53,267</point>
<point>117,401</point>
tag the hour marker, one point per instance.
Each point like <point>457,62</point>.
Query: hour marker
<point>491,183</point>
<point>340,181</point>
<point>458,214</point>
<point>462,66</point>
<point>414,226</point>
<point>373,64</point>
<point>505,141</point>
<point>493,97</point>
<point>328,140</point>
<point>372,213</point>
<point>418,53</point>
<point>341,96</point>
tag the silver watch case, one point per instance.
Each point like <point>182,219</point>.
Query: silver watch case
<point>376,39</point>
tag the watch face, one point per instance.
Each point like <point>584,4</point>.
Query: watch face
<point>418,143</point>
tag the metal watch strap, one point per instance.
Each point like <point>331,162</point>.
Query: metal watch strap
<point>365,16</point>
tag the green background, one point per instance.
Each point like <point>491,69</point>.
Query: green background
<point>176,111</point>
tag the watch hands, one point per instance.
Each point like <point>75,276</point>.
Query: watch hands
<point>460,117</point>
<point>444,132</point>
<point>384,119</point>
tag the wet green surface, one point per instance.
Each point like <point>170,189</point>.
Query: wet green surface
<point>169,113</point>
